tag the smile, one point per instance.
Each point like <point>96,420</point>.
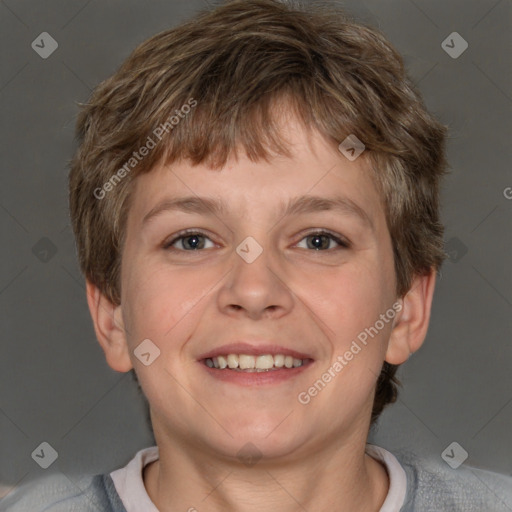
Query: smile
<point>250,363</point>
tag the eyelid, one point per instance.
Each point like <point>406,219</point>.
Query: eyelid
<point>168,242</point>
<point>339,239</point>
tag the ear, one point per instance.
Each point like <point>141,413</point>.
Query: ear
<point>411,323</point>
<point>109,328</point>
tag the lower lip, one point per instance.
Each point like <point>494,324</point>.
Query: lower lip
<point>256,378</point>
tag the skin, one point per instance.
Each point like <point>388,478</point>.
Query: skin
<point>314,301</point>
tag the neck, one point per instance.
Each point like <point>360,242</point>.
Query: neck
<point>345,479</point>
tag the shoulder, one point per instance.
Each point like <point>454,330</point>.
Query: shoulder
<point>58,493</point>
<point>432,485</point>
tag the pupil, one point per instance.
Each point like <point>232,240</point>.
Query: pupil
<point>318,241</point>
<point>193,241</point>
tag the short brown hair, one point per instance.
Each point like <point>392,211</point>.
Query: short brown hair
<point>235,62</point>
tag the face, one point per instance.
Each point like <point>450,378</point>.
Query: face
<point>290,257</point>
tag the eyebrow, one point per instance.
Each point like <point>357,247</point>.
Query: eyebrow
<point>300,205</point>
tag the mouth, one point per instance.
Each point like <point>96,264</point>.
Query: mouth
<point>255,363</point>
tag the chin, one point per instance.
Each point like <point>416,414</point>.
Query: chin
<point>261,437</point>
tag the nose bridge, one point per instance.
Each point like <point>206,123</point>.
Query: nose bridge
<point>254,284</point>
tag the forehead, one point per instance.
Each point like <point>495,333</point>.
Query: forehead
<point>315,168</point>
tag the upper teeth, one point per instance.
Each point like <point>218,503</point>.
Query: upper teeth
<point>246,362</point>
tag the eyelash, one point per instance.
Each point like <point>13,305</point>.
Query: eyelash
<point>343,244</point>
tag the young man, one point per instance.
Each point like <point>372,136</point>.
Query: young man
<point>255,203</point>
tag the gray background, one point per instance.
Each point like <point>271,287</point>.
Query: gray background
<point>55,384</point>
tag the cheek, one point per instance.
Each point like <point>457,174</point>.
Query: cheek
<point>348,299</point>
<point>158,298</point>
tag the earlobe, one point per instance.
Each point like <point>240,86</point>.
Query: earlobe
<point>109,329</point>
<point>411,324</point>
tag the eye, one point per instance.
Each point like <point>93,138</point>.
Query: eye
<point>194,241</point>
<point>189,241</point>
<point>322,240</point>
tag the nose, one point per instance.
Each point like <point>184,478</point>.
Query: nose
<point>256,290</point>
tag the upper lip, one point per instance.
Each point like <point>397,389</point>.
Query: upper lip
<point>253,349</point>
